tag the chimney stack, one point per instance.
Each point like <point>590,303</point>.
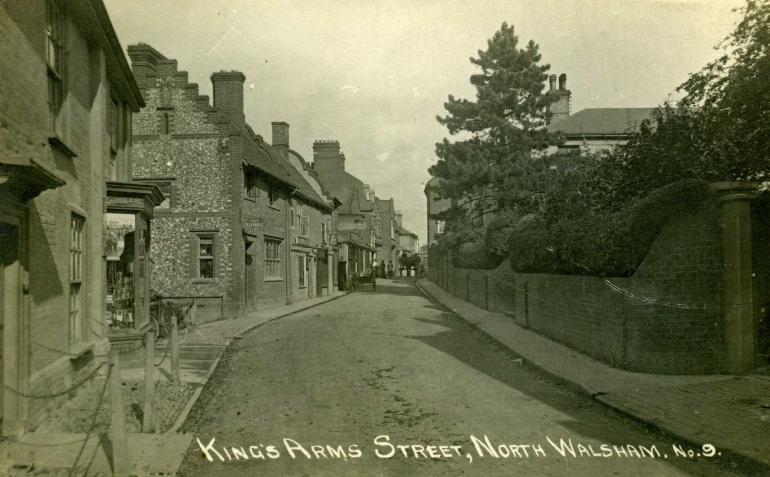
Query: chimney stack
<point>228,95</point>
<point>560,107</point>
<point>281,137</point>
<point>327,156</point>
<point>398,218</point>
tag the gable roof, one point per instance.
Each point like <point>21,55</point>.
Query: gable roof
<point>265,157</point>
<point>602,122</point>
<point>345,186</point>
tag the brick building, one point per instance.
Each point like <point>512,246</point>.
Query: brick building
<point>313,227</point>
<point>66,101</point>
<point>389,232</point>
<point>358,217</point>
<point>238,214</point>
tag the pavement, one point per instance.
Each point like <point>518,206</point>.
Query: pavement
<point>731,413</point>
<point>152,454</point>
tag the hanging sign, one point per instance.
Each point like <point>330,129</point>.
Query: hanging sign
<point>351,225</point>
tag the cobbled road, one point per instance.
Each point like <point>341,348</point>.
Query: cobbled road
<point>324,391</point>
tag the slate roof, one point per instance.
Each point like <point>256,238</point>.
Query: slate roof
<point>403,231</point>
<point>265,157</point>
<point>602,121</point>
<point>346,188</point>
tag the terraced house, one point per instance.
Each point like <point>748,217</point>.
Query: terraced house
<point>359,222</point>
<point>237,209</point>
<point>67,97</point>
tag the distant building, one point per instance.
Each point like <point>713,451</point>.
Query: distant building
<point>359,222</point>
<point>242,228</point>
<point>67,97</point>
<point>592,129</point>
<point>435,205</point>
<point>389,232</point>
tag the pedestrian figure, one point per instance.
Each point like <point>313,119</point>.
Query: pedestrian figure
<point>382,269</point>
<point>390,269</point>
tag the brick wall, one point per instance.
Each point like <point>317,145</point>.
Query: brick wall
<point>666,318</point>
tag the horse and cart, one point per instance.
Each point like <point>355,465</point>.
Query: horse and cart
<point>367,277</point>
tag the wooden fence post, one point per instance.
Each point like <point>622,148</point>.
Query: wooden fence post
<point>120,454</point>
<point>174,350</point>
<point>148,423</point>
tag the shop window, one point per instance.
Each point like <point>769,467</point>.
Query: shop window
<point>206,257</point>
<point>76,279</point>
<point>272,258</point>
<point>302,270</point>
<point>54,60</point>
<point>120,230</point>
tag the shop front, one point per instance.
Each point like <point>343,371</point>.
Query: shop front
<point>128,265</point>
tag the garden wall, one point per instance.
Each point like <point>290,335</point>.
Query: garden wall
<point>667,318</point>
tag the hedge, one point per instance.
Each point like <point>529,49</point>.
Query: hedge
<point>611,244</point>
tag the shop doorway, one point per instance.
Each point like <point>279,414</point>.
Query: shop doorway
<point>10,301</point>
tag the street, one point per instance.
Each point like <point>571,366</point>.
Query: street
<point>315,393</point>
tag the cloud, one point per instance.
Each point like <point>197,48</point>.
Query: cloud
<point>352,88</point>
<point>382,157</point>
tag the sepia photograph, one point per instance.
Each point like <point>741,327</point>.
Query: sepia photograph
<point>385,238</point>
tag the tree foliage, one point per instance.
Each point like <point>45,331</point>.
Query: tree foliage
<point>493,169</point>
<point>720,129</point>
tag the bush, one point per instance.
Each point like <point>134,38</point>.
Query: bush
<point>602,243</point>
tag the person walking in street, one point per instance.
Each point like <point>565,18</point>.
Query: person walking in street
<point>390,269</point>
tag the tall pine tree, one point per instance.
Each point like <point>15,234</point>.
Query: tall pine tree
<point>494,169</point>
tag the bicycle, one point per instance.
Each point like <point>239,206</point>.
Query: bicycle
<point>162,317</point>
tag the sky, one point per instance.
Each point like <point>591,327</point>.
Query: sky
<point>374,74</point>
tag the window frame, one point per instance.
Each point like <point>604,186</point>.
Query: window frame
<point>272,259</point>
<point>77,267</point>
<point>199,258</point>
<point>250,185</point>
<point>302,269</point>
<point>55,63</point>
<point>271,194</point>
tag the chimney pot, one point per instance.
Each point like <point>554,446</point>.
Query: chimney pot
<point>563,81</point>
<point>552,79</point>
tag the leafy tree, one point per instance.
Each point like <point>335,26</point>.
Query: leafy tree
<point>720,129</point>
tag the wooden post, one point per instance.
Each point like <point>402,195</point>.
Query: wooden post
<point>148,424</point>
<point>174,350</point>
<point>193,310</point>
<point>120,456</point>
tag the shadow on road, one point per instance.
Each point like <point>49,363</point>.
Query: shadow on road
<point>462,342</point>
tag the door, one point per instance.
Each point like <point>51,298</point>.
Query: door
<point>10,268</point>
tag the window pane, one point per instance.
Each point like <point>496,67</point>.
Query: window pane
<point>206,248</point>
<point>206,268</point>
